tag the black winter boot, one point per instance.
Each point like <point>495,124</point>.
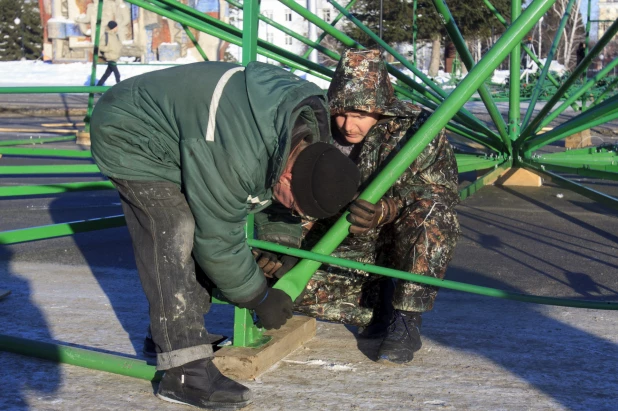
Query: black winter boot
<point>199,383</point>
<point>403,338</point>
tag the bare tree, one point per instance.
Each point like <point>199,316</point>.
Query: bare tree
<point>573,32</point>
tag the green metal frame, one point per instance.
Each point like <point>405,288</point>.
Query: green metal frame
<point>513,143</point>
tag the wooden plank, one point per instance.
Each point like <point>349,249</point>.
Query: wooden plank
<point>249,363</point>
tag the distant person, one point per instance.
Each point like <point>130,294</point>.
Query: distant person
<point>109,47</point>
<point>581,53</point>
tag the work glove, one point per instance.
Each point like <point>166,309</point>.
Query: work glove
<point>365,216</point>
<point>273,307</point>
<point>273,265</point>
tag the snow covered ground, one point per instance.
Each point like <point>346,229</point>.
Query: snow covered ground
<point>38,73</point>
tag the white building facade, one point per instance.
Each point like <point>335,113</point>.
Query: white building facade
<point>281,14</point>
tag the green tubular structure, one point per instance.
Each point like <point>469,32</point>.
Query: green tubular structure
<point>60,230</point>
<point>581,171</point>
<point>601,113</point>
<point>185,15</point>
<point>43,152</point>
<point>467,59</point>
<point>34,190</point>
<point>80,357</point>
<point>597,196</point>
<point>53,89</point>
<point>550,56</point>
<point>95,59</point>
<point>246,333</point>
<point>312,45</point>
<point>55,169</point>
<point>514,80</point>
<point>295,281</point>
<point>610,88</point>
<point>529,52</point>
<point>463,116</point>
<point>453,285</point>
<point>324,33</point>
<point>32,141</point>
<point>579,93</point>
<point>482,181</point>
<point>531,128</point>
<point>195,43</point>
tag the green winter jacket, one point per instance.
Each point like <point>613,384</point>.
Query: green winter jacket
<point>226,157</point>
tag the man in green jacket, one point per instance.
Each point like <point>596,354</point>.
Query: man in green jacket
<point>193,150</point>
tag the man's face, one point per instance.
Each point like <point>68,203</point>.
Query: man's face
<point>282,192</point>
<point>354,125</point>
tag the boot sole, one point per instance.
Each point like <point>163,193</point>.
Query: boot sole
<point>210,405</point>
<point>384,361</point>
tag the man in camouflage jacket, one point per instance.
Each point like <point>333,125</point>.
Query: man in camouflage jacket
<point>423,227</point>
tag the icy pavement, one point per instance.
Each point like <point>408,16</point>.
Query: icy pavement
<point>479,353</point>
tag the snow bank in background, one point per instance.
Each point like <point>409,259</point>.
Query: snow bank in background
<point>38,73</point>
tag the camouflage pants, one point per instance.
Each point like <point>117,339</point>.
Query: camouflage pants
<point>421,241</point>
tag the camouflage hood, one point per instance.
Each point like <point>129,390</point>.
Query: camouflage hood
<point>361,82</point>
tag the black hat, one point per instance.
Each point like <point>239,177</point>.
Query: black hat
<point>323,180</point>
<point>112,25</point>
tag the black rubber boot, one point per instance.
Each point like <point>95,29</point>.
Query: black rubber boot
<point>200,384</point>
<point>403,338</point>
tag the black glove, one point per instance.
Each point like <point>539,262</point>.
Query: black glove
<point>273,265</point>
<point>273,307</point>
<point>365,216</point>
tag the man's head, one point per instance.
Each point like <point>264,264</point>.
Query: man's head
<point>318,180</point>
<point>355,124</point>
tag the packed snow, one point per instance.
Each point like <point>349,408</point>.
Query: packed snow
<point>39,73</point>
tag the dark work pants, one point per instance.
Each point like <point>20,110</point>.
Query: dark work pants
<point>162,227</point>
<point>111,68</point>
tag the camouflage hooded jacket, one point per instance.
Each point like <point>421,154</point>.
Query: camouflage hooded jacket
<point>361,83</point>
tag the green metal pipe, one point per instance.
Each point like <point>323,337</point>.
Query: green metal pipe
<point>482,181</point>
<point>332,24</point>
<point>493,144</point>
<point>479,165</point>
<point>250,27</point>
<point>583,121</point>
<point>95,59</point>
<point>312,45</point>
<point>514,81</point>
<point>34,190</point>
<point>295,281</point>
<point>417,278</point>
<point>578,188</point>
<point>37,140</point>
<point>540,83</point>
<point>45,152</point>
<point>464,116</point>
<point>580,92</point>
<point>466,57</point>
<point>53,89</point>
<point>185,15</point>
<point>195,43</point>
<point>579,70</point>
<point>581,171</point>
<point>93,360</point>
<point>53,169</point>
<point>60,230</point>
<point>526,49</point>
<point>610,88</point>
